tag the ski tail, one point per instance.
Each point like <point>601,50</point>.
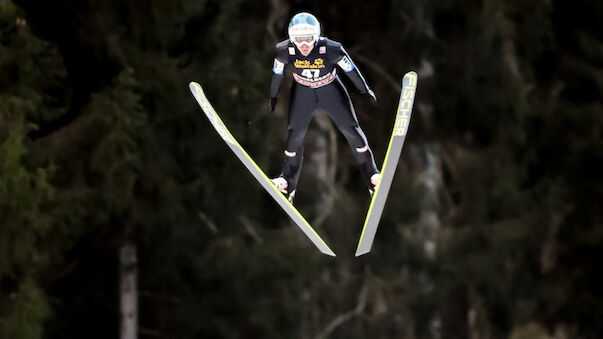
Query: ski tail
<point>396,142</point>
<point>255,170</point>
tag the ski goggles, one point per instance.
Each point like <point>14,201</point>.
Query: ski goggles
<point>307,40</point>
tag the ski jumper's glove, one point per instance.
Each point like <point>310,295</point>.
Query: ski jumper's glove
<point>272,104</point>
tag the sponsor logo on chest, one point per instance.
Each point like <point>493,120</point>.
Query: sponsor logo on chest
<point>318,63</point>
<point>315,82</point>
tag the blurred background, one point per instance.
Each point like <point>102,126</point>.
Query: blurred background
<point>123,215</point>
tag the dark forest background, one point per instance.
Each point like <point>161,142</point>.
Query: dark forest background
<point>494,223</point>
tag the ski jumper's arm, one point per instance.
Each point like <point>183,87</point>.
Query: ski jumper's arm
<point>280,61</point>
<point>346,64</point>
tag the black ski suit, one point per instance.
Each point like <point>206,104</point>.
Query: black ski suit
<point>317,85</point>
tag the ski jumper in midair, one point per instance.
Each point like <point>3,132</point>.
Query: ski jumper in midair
<point>315,62</point>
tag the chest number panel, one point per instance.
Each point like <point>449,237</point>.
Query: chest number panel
<point>310,73</point>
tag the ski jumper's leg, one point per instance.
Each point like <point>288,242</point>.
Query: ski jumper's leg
<point>335,100</point>
<point>301,106</point>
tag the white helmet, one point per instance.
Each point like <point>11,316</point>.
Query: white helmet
<point>304,28</point>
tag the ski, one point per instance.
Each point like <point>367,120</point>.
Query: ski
<point>396,142</point>
<point>255,170</point>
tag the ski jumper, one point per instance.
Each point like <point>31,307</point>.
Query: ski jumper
<point>317,85</point>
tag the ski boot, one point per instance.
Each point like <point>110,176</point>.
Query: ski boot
<point>282,185</point>
<point>374,181</point>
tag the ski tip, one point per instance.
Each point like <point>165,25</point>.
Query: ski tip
<point>411,73</point>
<point>195,87</point>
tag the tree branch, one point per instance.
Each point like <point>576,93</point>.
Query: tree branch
<point>277,15</point>
<point>378,69</point>
<point>342,318</point>
<point>249,227</point>
<point>208,222</point>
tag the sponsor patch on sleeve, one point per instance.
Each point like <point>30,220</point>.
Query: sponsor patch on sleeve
<point>291,51</point>
<point>278,67</point>
<point>322,50</point>
<point>346,64</point>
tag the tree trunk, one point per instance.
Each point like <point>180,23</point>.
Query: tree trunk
<point>128,293</point>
